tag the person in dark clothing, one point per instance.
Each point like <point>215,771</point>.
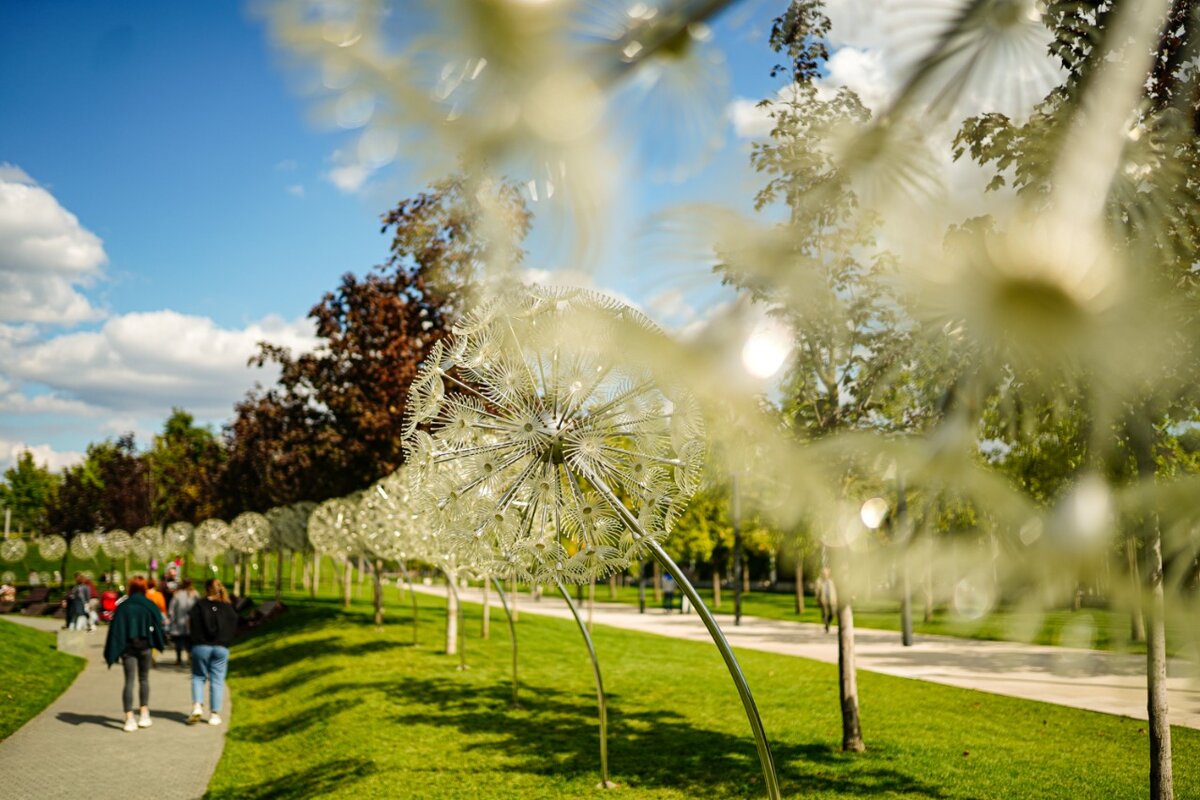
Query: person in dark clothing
<point>135,630</point>
<point>212,624</point>
<point>77,604</point>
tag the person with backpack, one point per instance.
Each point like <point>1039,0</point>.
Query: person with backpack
<point>135,631</point>
<point>212,624</point>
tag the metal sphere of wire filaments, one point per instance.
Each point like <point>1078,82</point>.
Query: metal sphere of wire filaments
<point>52,547</point>
<point>210,538</point>
<point>249,532</point>
<point>332,528</point>
<point>178,536</point>
<point>385,519</point>
<point>84,545</point>
<point>12,550</point>
<point>115,543</point>
<point>537,430</point>
<point>148,541</point>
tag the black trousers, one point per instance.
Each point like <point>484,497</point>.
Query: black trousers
<point>139,662</point>
<point>183,644</point>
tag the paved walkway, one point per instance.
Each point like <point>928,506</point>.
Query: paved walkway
<point>1114,683</point>
<point>76,747</point>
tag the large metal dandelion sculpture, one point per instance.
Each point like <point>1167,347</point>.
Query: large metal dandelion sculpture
<point>574,456</point>
<point>12,550</point>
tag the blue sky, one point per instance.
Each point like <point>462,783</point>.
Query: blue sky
<point>164,150</point>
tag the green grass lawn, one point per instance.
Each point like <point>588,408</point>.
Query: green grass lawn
<point>325,705</point>
<point>32,674</point>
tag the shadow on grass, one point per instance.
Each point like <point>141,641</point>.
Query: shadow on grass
<point>557,734</point>
<point>315,781</point>
<point>292,723</point>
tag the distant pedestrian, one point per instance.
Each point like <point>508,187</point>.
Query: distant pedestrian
<point>135,630</point>
<point>826,597</point>
<point>155,596</point>
<point>212,623</point>
<point>181,605</point>
<point>77,604</point>
<point>668,590</point>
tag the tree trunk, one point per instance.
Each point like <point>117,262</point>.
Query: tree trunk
<point>292,570</point>
<point>451,614</point>
<point>799,583</point>
<point>716,587</point>
<point>1162,786</point>
<point>316,574</point>
<point>772,571</point>
<point>745,575</point>
<point>485,629</point>
<point>612,587</point>
<point>279,576</point>
<point>848,680</point>
<point>928,590</point>
<point>377,574</point>
<point>1137,623</point>
<point>657,583</point>
<point>347,583</point>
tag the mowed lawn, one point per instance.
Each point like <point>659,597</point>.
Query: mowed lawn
<point>32,674</point>
<point>326,705</point>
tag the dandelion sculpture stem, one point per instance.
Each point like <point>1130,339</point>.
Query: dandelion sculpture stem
<point>512,635</point>
<point>714,630</point>
<point>601,704</point>
<point>462,641</point>
<point>413,594</point>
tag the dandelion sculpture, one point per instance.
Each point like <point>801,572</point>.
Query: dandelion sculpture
<point>52,547</point>
<point>249,533</point>
<point>332,531</point>
<point>210,538</point>
<point>85,545</point>
<point>178,537</point>
<point>573,462</point>
<point>12,550</point>
<point>288,533</point>
<point>388,533</point>
<point>115,544</point>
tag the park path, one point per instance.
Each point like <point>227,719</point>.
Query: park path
<point>1113,683</point>
<point>76,747</point>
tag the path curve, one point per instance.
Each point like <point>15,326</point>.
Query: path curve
<point>76,747</point>
<point>1113,683</point>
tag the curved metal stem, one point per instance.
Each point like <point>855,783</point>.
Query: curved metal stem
<point>413,594</point>
<point>512,635</point>
<point>731,662</point>
<point>714,630</point>
<point>462,641</point>
<point>605,783</point>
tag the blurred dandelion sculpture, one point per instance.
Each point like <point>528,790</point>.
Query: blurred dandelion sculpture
<point>210,539</point>
<point>552,430</point>
<point>333,531</point>
<point>84,545</point>
<point>52,547</point>
<point>12,550</point>
<point>389,534</point>
<point>249,533</point>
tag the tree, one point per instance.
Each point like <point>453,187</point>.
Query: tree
<point>185,464</point>
<point>1152,215</point>
<point>28,490</point>
<point>376,330</point>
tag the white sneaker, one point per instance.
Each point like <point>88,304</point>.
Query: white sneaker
<point>130,724</point>
<point>197,714</point>
<point>144,720</point>
<point>215,719</point>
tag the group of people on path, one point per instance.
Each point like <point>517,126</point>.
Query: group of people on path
<point>201,627</point>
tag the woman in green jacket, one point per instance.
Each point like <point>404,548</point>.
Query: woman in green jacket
<point>135,630</point>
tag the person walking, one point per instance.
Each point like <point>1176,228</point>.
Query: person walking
<point>182,600</point>
<point>135,631</point>
<point>156,597</point>
<point>826,597</point>
<point>77,604</point>
<point>212,623</point>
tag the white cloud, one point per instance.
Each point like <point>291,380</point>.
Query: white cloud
<point>43,454</point>
<point>145,363</point>
<point>45,255</point>
<point>670,307</point>
<point>863,71</point>
<point>348,172</point>
<point>296,190</point>
<point>750,121</point>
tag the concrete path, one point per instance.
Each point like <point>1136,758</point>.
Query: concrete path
<point>76,747</point>
<point>1114,683</point>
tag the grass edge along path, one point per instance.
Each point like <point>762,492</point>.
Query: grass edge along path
<point>32,674</point>
<point>328,706</point>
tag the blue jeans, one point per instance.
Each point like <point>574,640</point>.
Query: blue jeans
<point>209,661</point>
